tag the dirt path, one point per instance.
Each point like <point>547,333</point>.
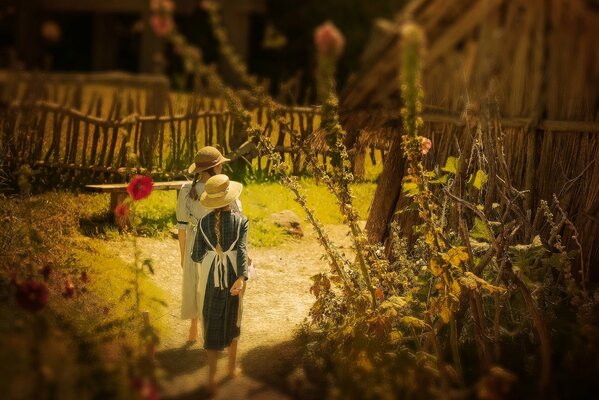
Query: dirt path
<point>275,303</point>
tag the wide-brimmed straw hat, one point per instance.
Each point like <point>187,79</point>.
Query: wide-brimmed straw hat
<point>208,157</point>
<point>219,192</point>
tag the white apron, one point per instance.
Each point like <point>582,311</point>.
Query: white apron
<point>222,262</point>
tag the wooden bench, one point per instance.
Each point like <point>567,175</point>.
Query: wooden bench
<point>118,191</point>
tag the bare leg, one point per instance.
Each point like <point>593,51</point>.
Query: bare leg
<point>212,358</point>
<point>233,371</point>
<point>193,330</point>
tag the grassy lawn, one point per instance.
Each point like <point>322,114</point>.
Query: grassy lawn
<point>259,201</point>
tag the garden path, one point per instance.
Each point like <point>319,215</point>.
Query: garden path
<point>275,304</point>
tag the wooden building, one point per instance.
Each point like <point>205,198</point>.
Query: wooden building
<point>542,58</point>
<point>110,34</point>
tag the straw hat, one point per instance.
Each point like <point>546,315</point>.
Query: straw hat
<point>219,192</point>
<point>208,157</point>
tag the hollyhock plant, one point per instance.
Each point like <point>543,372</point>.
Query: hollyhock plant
<point>425,145</point>
<point>140,187</point>
<point>31,295</point>
<point>329,40</point>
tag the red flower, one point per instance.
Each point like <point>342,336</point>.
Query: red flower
<point>425,145</point>
<point>69,290</point>
<point>31,295</point>
<point>140,187</point>
<point>329,40</point>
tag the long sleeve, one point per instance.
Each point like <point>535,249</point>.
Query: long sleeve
<point>236,206</point>
<point>182,211</point>
<point>242,263</point>
<point>199,245</point>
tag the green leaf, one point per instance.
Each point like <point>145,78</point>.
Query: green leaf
<point>443,179</point>
<point>410,207</point>
<point>524,255</point>
<point>480,231</point>
<point>451,165</point>
<point>411,189</point>
<point>478,179</point>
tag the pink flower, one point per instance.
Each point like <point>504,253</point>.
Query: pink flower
<point>162,25</point>
<point>121,213</point>
<point>425,145</point>
<point>140,187</point>
<point>31,295</point>
<point>329,40</point>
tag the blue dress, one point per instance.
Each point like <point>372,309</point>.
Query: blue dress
<point>221,312</point>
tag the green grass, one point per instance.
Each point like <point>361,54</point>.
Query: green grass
<point>259,200</point>
<point>110,278</point>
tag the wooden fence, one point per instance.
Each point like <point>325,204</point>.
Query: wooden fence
<point>75,133</point>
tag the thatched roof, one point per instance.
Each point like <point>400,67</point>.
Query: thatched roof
<point>542,60</point>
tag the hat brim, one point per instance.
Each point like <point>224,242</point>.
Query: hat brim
<point>194,169</point>
<point>232,194</point>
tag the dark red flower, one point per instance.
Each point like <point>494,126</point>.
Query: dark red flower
<point>145,388</point>
<point>69,290</point>
<point>140,187</point>
<point>121,213</point>
<point>31,295</point>
<point>84,277</point>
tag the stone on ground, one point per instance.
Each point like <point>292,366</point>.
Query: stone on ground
<point>289,221</point>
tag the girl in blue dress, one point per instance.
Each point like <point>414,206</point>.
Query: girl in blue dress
<point>221,249</point>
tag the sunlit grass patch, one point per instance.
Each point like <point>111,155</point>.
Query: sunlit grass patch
<point>260,200</point>
<point>156,214</point>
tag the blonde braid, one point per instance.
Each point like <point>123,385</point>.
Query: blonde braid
<point>217,232</point>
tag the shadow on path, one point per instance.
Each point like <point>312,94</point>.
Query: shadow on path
<point>181,360</point>
<point>272,365</point>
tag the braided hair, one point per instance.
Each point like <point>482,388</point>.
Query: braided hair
<point>217,229</point>
<point>218,213</point>
<point>194,193</point>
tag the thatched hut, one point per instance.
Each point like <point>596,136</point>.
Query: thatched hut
<point>542,59</point>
